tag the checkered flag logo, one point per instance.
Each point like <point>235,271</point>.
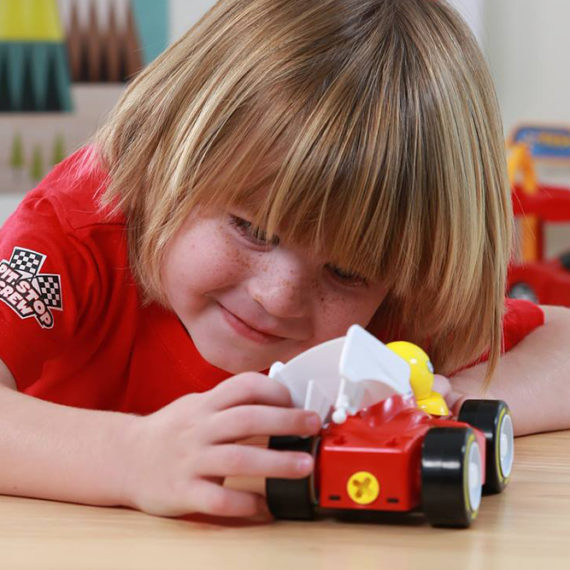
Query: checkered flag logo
<point>26,262</point>
<point>29,293</point>
<point>50,288</point>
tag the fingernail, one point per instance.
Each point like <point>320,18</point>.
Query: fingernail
<point>305,463</point>
<point>313,422</point>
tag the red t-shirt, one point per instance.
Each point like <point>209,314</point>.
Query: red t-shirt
<point>72,326</point>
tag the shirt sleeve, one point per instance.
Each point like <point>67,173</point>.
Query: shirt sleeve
<point>521,318</point>
<point>42,269</point>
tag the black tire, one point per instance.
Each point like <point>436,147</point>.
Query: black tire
<point>451,476</point>
<point>522,290</point>
<point>292,498</point>
<point>493,418</point>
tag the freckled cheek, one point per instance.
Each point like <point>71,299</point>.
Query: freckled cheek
<point>225,265</point>
<point>336,313</point>
<point>199,266</point>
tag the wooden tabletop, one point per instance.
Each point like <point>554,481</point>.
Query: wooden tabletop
<point>528,526</point>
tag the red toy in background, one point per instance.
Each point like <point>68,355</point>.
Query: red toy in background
<point>388,442</point>
<point>533,276</point>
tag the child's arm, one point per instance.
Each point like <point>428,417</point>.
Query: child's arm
<point>57,452</point>
<point>169,463</point>
<point>533,377</point>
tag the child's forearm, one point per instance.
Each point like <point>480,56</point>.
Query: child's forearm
<point>170,463</point>
<point>533,378</point>
<point>57,452</point>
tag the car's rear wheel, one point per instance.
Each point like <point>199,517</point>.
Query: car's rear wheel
<point>293,498</point>
<point>493,418</point>
<point>451,474</point>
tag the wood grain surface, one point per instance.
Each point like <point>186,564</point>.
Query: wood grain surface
<point>528,526</point>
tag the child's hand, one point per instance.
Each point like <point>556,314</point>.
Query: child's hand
<point>182,453</point>
<point>453,398</point>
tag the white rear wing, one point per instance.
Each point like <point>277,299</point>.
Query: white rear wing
<point>348,374</point>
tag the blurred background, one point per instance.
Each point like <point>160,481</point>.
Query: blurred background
<point>64,63</point>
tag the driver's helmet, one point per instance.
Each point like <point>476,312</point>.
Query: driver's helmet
<point>421,368</point>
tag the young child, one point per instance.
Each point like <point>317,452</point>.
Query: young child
<point>285,170</point>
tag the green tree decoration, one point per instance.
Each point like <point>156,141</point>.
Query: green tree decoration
<point>58,150</point>
<point>37,170</point>
<point>17,153</point>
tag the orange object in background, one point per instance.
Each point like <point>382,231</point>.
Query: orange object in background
<point>520,165</point>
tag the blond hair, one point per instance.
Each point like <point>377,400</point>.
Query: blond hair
<point>367,128</point>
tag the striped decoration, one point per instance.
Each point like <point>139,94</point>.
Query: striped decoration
<point>34,74</point>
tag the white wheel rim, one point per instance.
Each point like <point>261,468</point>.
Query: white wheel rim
<point>506,446</point>
<point>474,476</point>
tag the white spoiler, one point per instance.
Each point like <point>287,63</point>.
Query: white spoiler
<point>348,374</point>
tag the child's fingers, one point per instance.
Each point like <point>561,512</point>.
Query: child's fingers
<point>248,388</point>
<point>455,402</point>
<point>235,460</point>
<point>241,422</point>
<point>453,399</point>
<point>212,499</point>
<point>441,384</point>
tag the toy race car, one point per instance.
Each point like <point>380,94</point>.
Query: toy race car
<point>535,204</point>
<point>388,442</point>
<point>542,280</point>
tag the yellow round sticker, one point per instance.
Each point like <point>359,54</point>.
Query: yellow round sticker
<point>363,488</point>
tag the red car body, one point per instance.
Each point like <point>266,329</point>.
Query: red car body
<point>385,440</point>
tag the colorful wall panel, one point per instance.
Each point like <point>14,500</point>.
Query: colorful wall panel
<point>63,65</point>
<point>34,75</point>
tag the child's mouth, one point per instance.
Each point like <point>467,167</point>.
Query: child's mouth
<point>247,331</point>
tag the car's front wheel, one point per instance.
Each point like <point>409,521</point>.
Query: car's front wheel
<point>451,473</point>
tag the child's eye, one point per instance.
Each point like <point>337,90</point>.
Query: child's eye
<point>347,277</point>
<point>254,233</point>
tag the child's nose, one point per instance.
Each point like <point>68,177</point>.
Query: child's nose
<point>282,286</point>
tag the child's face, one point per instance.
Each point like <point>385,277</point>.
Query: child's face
<point>247,303</point>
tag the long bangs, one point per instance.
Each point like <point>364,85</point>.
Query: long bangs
<point>332,170</point>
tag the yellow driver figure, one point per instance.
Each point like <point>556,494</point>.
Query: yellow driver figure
<point>421,377</point>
